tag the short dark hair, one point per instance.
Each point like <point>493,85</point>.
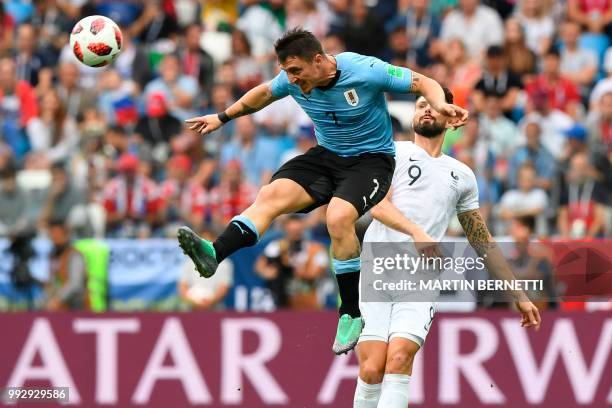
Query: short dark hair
<point>297,43</point>
<point>527,221</point>
<point>552,51</point>
<point>495,51</point>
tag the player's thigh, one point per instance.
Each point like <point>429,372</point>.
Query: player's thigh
<point>314,178</point>
<point>411,321</point>
<point>377,320</point>
<point>365,180</point>
<point>285,195</point>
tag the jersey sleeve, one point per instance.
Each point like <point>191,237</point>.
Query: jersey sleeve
<point>388,77</point>
<point>280,85</point>
<point>469,196</point>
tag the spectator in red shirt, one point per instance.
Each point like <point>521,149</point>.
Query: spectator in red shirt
<point>7,26</point>
<point>233,195</point>
<point>184,200</point>
<point>563,94</point>
<point>595,15</point>
<point>131,200</point>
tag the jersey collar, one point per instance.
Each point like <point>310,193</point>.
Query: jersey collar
<point>331,83</point>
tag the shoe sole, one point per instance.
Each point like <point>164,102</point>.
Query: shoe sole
<point>187,241</point>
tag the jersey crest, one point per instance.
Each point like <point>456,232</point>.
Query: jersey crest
<point>351,97</point>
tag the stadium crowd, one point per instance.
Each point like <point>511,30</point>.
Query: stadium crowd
<point>103,152</point>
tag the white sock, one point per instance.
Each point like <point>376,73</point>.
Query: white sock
<point>366,395</point>
<point>394,392</point>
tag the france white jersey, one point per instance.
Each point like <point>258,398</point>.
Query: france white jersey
<point>427,190</point>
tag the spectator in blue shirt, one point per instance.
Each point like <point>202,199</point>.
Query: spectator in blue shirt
<point>538,155</point>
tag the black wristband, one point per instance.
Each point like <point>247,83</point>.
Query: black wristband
<point>223,117</point>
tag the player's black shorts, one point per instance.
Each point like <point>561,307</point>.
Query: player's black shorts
<point>361,180</point>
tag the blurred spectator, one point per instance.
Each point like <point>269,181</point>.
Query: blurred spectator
<point>53,135</point>
<point>576,141</point>
<point>180,90</point>
<point>473,150</point>
<point>498,81</point>
<point>74,97</point>
<point>333,44</point>
<point>257,156</point>
<point>526,201</point>
<point>131,201</point>
<point>421,27</point>
<point>309,15</point>
<point>18,106</point>
<point>305,140</point>
<point>595,16</point>
<point>504,138</point>
<point>248,70</point>
<point>533,152</point>
<point>599,125</point>
<point>464,72</point>
<point>15,217</point>
<point>293,266</point>
<point>531,260</point>
<point>578,64</point>
<point>398,50</point>
<point>55,20</point>
<point>521,60</point>
<point>184,201</point>
<point>158,127</point>
<point>562,92</point>
<point>477,26</point>
<point>261,28</point>
<point>232,196</point>
<point>7,27</point>
<point>61,197</point>
<point>205,294</point>
<point>582,211</point>
<point>196,62</point>
<point>362,31</point>
<point>67,285</point>
<point>220,100</point>
<point>133,63</point>
<point>28,60</point>
<point>553,122</point>
<point>539,26</point>
<point>117,99</point>
<point>157,21</point>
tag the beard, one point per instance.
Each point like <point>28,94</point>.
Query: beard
<point>428,130</point>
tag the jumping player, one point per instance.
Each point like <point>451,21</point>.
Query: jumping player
<point>394,331</point>
<point>350,169</point>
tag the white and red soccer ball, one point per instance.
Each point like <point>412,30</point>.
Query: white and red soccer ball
<point>96,41</point>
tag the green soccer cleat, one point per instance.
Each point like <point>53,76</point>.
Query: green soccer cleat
<point>348,333</point>
<point>201,251</point>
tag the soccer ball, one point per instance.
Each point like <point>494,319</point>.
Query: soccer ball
<point>96,41</point>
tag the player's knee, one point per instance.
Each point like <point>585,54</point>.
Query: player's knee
<point>340,222</point>
<point>400,361</point>
<point>371,373</point>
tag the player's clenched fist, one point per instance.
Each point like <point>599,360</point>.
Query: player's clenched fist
<point>205,124</point>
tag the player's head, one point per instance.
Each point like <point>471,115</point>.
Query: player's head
<point>301,55</point>
<point>427,122</point>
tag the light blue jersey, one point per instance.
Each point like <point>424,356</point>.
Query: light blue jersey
<point>350,114</point>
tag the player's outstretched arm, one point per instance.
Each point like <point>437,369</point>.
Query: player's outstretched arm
<point>433,92</point>
<point>255,99</point>
<point>387,213</point>
<point>485,246</point>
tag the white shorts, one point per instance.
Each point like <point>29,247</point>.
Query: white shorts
<point>387,320</point>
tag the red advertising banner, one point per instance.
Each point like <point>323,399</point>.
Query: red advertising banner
<point>284,359</point>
